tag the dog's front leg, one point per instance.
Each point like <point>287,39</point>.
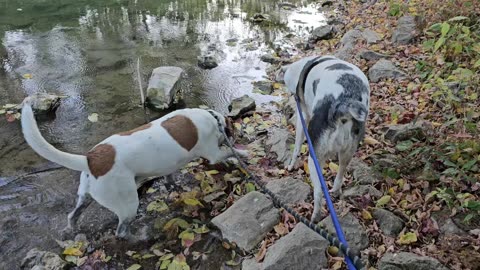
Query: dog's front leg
<point>343,160</point>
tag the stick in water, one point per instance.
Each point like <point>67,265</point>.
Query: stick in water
<point>142,96</point>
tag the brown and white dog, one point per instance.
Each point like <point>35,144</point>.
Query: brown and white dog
<point>155,149</point>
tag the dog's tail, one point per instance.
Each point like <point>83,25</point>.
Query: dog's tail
<point>353,107</point>
<point>43,148</point>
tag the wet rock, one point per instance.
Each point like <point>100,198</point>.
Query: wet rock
<point>348,42</point>
<point>286,4</point>
<point>259,17</point>
<point>302,248</point>
<point>240,106</point>
<point>321,33</point>
<point>38,259</point>
<point>371,36</point>
<point>385,69</point>
<point>396,133</point>
<point>207,61</point>
<point>407,260</point>
<point>268,58</point>
<point>408,28</point>
<point>362,173</point>
<point>388,221</point>
<point>162,88</point>
<point>360,190</point>
<point>354,232</point>
<point>43,103</point>
<point>291,191</point>
<point>279,141</point>
<point>248,220</point>
<point>264,87</point>
<point>372,56</point>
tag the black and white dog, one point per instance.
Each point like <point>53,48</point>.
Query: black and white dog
<point>334,97</point>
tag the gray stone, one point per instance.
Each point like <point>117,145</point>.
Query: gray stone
<point>360,190</point>
<point>251,264</point>
<point>38,259</point>
<point>348,42</point>
<point>207,61</point>
<point>265,87</point>
<point>408,28</point>
<point>268,58</point>
<point>372,56</point>
<point>302,248</point>
<point>240,106</point>
<point>408,261</point>
<point>396,133</point>
<point>322,32</point>
<point>354,232</point>
<point>362,173</point>
<point>248,220</point>
<point>290,190</point>
<point>371,36</point>
<point>43,103</point>
<point>388,221</point>
<point>449,227</point>
<point>385,69</point>
<point>162,88</point>
<point>279,141</point>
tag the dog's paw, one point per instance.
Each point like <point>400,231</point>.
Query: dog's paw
<point>317,217</point>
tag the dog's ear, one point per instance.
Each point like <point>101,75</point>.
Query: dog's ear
<point>228,127</point>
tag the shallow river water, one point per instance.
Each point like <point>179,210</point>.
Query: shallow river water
<point>87,50</point>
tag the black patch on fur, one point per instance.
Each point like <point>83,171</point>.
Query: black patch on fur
<point>319,122</point>
<point>338,66</point>
<point>315,84</point>
<point>304,74</point>
<point>353,87</point>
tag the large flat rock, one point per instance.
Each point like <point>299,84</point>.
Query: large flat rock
<point>248,220</point>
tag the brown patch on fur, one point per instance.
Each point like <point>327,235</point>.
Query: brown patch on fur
<point>101,159</point>
<point>183,130</point>
<point>130,132</point>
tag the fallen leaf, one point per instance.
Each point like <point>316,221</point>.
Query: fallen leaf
<point>157,206</point>
<point>93,117</point>
<point>27,76</point>
<point>281,229</point>
<point>73,251</point>
<point>134,267</point>
<point>383,201</point>
<point>407,238</point>
<point>192,202</point>
<point>370,141</point>
<point>366,215</point>
<point>333,166</point>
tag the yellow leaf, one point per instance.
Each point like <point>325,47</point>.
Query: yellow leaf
<point>200,176</point>
<point>27,76</point>
<point>176,222</point>
<point>2,111</point>
<point>134,267</point>
<point>249,130</point>
<point>151,190</point>
<point>333,166</point>
<point>305,167</point>
<point>212,172</point>
<point>157,206</point>
<point>337,265</point>
<point>370,141</point>
<point>192,202</point>
<point>237,126</point>
<point>73,251</point>
<point>384,200</point>
<point>366,215</point>
<point>391,191</point>
<point>9,106</point>
<point>407,238</point>
<point>148,256</point>
<point>246,120</point>
<point>93,117</point>
<point>277,86</point>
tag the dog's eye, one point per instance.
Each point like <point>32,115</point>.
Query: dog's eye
<point>344,121</point>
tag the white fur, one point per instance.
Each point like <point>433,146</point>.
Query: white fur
<point>333,142</point>
<point>149,152</point>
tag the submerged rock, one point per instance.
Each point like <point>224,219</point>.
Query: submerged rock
<point>407,260</point>
<point>385,69</point>
<point>259,17</point>
<point>162,88</point>
<point>43,103</point>
<point>38,259</point>
<point>248,220</point>
<point>207,61</point>
<point>240,106</point>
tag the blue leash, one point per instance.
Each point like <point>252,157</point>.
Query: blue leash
<point>333,214</point>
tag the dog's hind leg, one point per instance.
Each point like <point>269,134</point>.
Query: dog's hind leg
<point>343,160</point>
<point>82,203</point>
<point>299,138</point>
<point>317,191</point>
